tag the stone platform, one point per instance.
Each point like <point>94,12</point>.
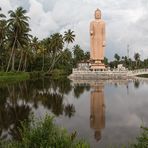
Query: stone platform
<point>98,75</point>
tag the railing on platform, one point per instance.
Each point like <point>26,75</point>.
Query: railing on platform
<point>138,72</point>
<point>128,73</point>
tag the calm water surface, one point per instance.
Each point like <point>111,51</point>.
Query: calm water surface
<point>104,113</point>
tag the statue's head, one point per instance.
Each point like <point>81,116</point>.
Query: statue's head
<point>98,14</point>
<point>97,135</point>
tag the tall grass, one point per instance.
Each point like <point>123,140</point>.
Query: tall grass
<point>44,134</point>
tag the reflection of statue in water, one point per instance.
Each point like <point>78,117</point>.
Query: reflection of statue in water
<point>97,42</point>
<point>97,108</point>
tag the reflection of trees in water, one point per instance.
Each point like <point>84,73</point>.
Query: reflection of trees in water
<point>136,83</point>
<point>15,115</point>
<point>69,110</point>
<point>79,89</point>
<point>53,101</point>
<point>12,111</point>
<point>64,86</point>
<point>17,100</point>
<point>116,84</point>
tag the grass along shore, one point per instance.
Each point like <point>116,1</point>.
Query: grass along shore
<point>20,76</point>
<point>13,76</point>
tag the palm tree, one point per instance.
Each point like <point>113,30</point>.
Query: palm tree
<point>137,58</point>
<point>56,43</point>
<point>27,56</point>
<point>66,57</point>
<point>78,54</point>
<point>35,44</point>
<point>1,14</point>
<point>69,37</point>
<point>3,30</point>
<point>43,48</point>
<point>3,26</point>
<point>55,48</point>
<point>117,57</point>
<point>25,50</point>
<point>17,32</point>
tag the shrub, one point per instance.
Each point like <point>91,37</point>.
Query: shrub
<point>45,134</point>
<point>142,140</point>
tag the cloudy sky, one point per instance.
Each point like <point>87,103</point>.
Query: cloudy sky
<point>126,21</point>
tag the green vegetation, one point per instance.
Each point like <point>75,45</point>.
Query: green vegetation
<point>20,51</point>
<point>45,134</point>
<point>13,76</point>
<point>142,140</point>
<point>58,73</point>
<point>129,63</point>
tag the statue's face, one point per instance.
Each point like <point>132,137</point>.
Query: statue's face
<point>97,15</point>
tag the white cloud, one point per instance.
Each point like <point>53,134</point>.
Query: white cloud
<point>126,21</point>
<point>5,5</point>
<point>42,23</point>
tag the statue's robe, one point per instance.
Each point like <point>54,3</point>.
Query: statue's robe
<point>97,39</point>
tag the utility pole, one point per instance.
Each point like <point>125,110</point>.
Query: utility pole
<point>128,56</point>
<point>128,51</point>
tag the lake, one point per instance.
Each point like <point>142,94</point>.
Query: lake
<point>104,113</point>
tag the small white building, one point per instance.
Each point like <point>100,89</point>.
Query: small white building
<point>120,67</point>
<point>83,66</point>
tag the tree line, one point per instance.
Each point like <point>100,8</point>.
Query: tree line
<point>129,63</point>
<point>21,51</point>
